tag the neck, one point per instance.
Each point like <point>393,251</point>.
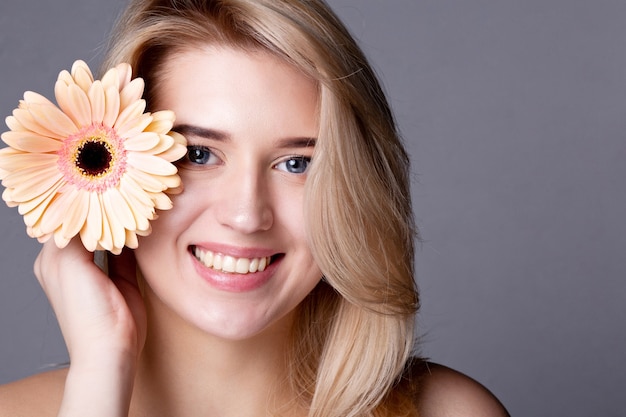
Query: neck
<point>184,371</point>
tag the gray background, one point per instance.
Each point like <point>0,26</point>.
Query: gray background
<point>515,115</point>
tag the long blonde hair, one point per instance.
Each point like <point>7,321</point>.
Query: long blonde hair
<point>354,334</point>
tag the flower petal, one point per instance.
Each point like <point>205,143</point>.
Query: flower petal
<point>131,239</point>
<point>82,75</point>
<point>129,115</point>
<point>139,200</point>
<point>125,73</point>
<point>31,142</point>
<point>165,142</point>
<point>162,121</point>
<point>146,181</point>
<point>24,119</point>
<point>142,142</point>
<point>174,153</point>
<point>131,92</point>
<point>151,164</point>
<point>34,214</point>
<point>52,218</point>
<point>161,201</point>
<point>53,118</point>
<point>91,232</point>
<point>20,161</point>
<point>27,207</point>
<point>112,105</point>
<point>76,103</point>
<point>118,208</point>
<point>111,79</point>
<point>98,102</point>
<point>31,97</point>
<point>76,216</point>
<point>134,126</point>
<point>106,240</point>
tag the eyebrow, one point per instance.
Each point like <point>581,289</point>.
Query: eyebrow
<point>202,132</point>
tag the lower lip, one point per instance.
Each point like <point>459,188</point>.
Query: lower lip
<point>233,282</point>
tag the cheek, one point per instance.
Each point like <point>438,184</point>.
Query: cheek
<point>166,228</point>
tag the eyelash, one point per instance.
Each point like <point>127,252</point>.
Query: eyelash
<point>198,156</point>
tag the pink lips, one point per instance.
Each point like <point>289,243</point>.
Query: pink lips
<point>235,282</point>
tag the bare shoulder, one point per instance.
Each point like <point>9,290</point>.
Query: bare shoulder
<point>443,392</point>
<point>39,395</point>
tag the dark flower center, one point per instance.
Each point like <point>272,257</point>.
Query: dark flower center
<point>94,158</point>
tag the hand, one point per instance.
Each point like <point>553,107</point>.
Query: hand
<point>103,322</point>
<point>95,312</point>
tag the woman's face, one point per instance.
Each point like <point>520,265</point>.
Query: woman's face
<point>232,257</point>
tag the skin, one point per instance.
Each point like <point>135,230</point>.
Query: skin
<point>186,340</point>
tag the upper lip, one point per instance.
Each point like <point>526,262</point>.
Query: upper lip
<point>236,251</point>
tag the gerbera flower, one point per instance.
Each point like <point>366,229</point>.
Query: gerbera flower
<point>96,165</point>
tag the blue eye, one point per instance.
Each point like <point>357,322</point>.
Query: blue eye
<point>199,155</point>
<point>295,165</point>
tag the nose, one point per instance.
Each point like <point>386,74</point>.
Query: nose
<point>245,204</point>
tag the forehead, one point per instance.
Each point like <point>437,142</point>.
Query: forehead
<point>232,67</point>
<point>235,88</point>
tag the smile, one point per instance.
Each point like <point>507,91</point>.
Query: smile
<point>230,264</point>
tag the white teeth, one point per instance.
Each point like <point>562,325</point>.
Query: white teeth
<point>226,263</point>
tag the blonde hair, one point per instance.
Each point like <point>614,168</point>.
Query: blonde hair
<point>354,335</point>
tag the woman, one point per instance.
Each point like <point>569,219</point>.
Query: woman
<point>281,283</point>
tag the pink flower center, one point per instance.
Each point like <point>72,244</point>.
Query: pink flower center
<point>94,159</point>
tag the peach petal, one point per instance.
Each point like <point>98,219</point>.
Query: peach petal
<point>59,239</point>
<point>28,173</point>
<point>129,114</point>
<point>161,201</point>
<point>30,205</point>
<point>174,153</point>
<point>141,214</point>
<point>131,239</point>
<point>20,161</point>
<point>76,216</point>
<point>165,142</point>
<point>7,197</point>
<point>170,181</point>
<point>131,92</point>
<point>28,123</point>
<point>142,142</point>
<point>52,218</point>
<point>80,106</point>
<point>79,64</point>
<point>162,121</point>
<point>106,239</point>
<point>111,79</point>
<point>31,142</point>
<point>125,73</point>
<point>34,187</point>
<point>97,101</point>
<point>53,118</point>
<point>151,164</point>
<point>65,77</point>
<point>118,208</point>
<point>34,215</point>
<point>14,124</point>
<point>130,188</point>
<point>82,75</point>
<point>134,126</point>
<point>91,231</point>
<point>35,98</point>
<point>146,181</point>
<point>112,105</point>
